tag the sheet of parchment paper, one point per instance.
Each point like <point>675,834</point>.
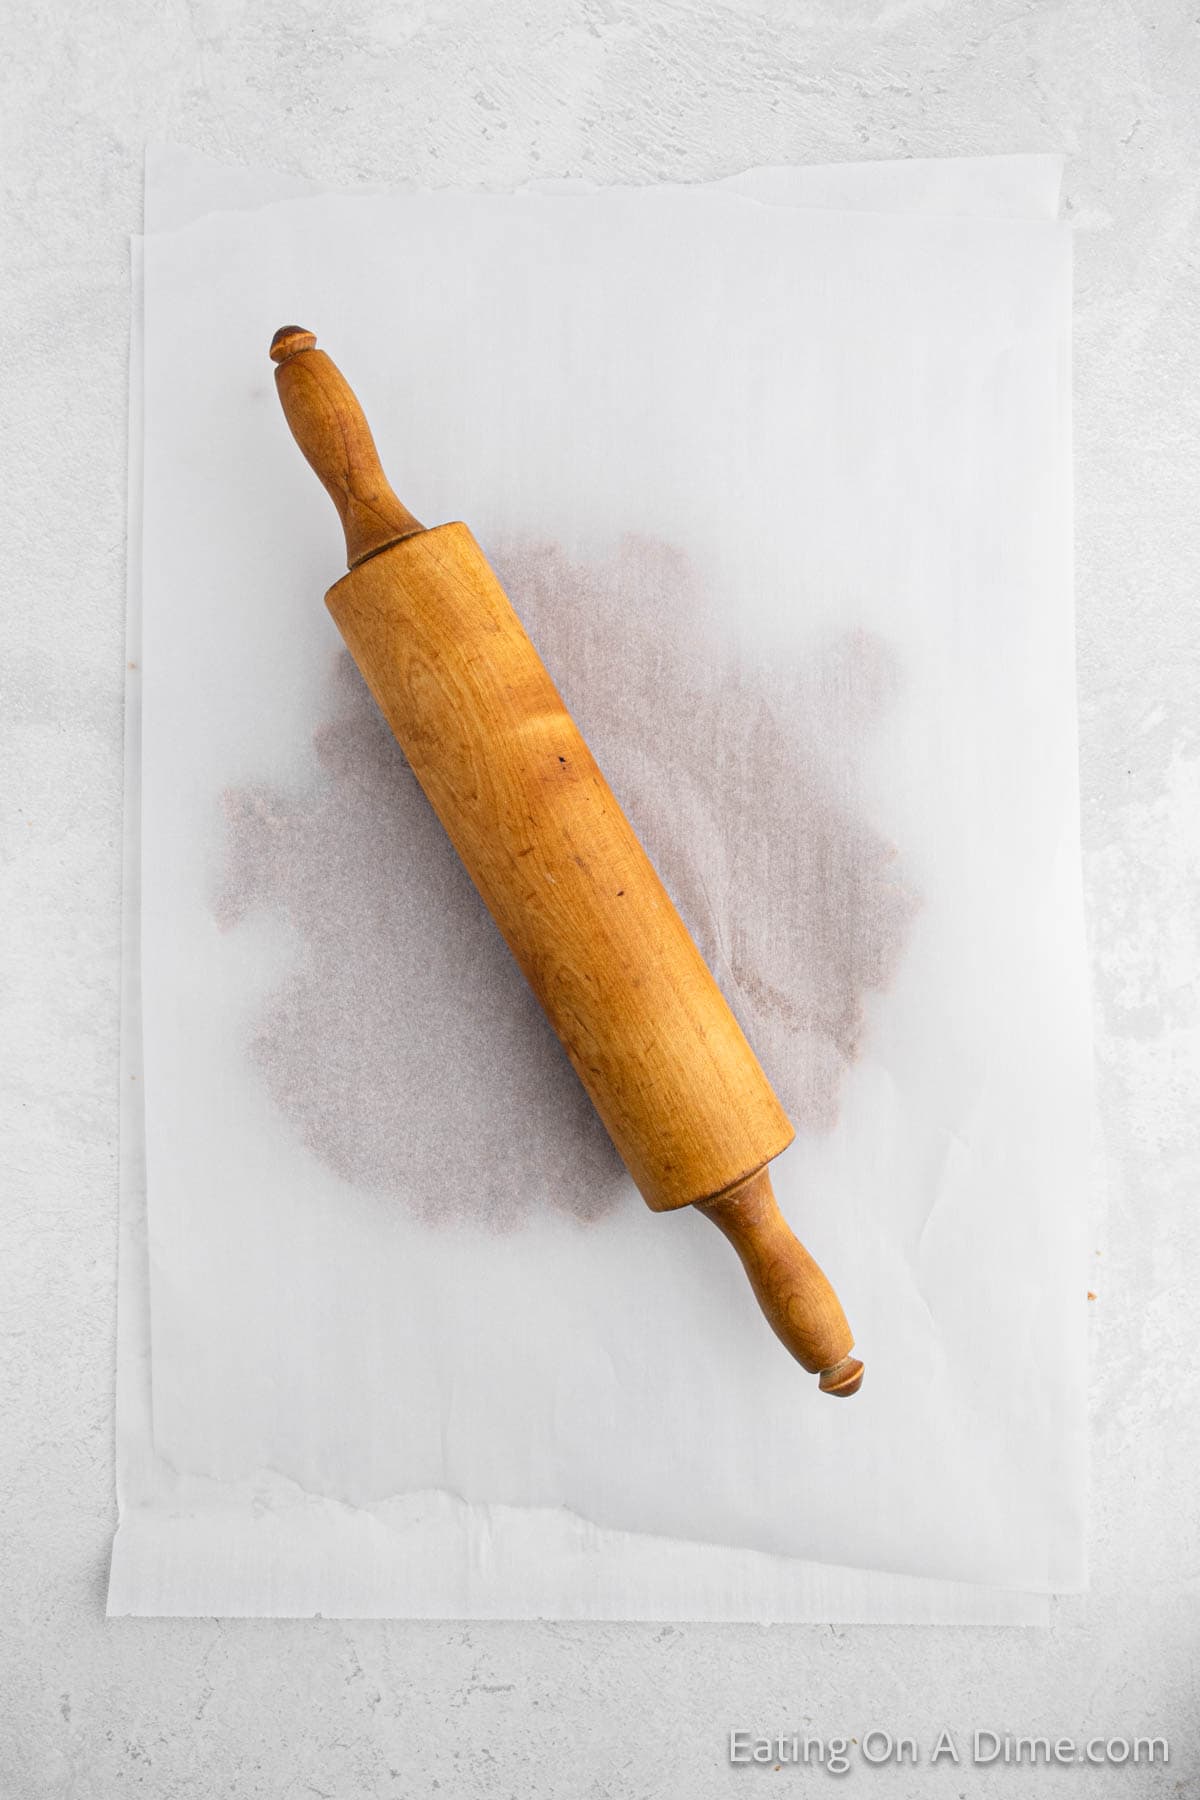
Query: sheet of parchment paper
<point>186,1545</point>
<point>842,668</point>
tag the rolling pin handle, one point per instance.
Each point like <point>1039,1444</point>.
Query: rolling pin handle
<point>328,424</point>
<point>799,1305</point>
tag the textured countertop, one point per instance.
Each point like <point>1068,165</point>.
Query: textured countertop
<point>356,90</point>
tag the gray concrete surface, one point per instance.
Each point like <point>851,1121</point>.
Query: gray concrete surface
<point>472,92</point>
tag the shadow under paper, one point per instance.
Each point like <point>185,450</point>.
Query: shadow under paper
<point>404,1045</point>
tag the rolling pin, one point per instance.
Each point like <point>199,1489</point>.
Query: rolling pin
<point>559,866</point>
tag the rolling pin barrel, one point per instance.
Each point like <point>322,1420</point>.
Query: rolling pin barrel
<point>558,865</point>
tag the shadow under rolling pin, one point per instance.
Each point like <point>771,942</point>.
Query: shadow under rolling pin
<point>558,865</point>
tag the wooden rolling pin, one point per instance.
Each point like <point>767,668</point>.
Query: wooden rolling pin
<point>558,865</point>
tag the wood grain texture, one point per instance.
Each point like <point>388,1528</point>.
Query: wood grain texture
<point>559,866</point>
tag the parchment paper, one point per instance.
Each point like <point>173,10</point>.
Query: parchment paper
<point>328,1322</point>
